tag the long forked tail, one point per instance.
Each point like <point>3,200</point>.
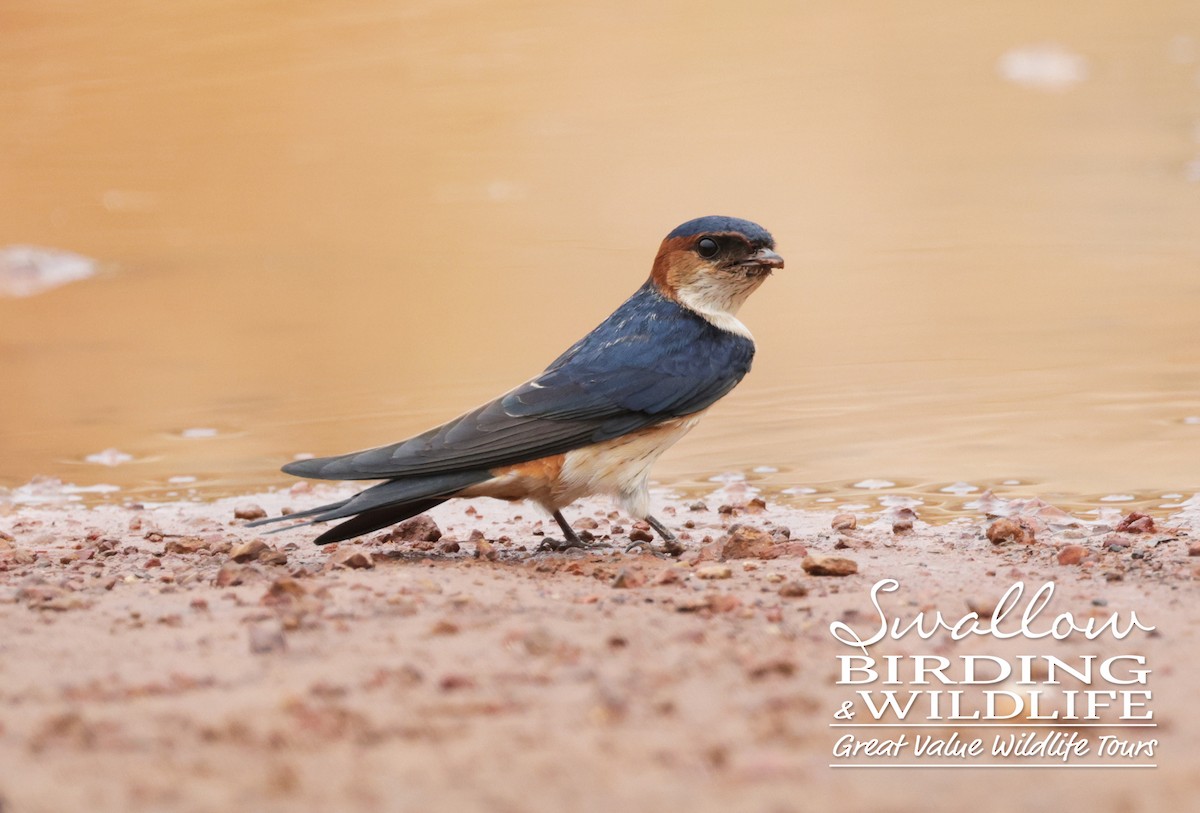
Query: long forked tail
<point>382,505</point>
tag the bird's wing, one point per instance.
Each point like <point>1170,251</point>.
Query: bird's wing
<point>651,361</point>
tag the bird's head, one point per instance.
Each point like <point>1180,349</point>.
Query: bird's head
<point>712,264</point>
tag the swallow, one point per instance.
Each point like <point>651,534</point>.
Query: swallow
<point>596,420</point>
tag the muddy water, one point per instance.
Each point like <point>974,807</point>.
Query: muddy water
<point>322,227</point>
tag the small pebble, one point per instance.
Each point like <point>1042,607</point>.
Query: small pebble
<point>230,575</point>
<point>793,590</point>
<point>714,572</point>
<point>819,565</point>
<point>693,604</point>
<point>1010,530</point>
<point>1136,523</point>
<point>627,578</point>
<point>420,528</point>
<point>902,522</point>
<point>249,510</point>
<point>354,558</point>
<point>247,551</point>
<point>845,522</point>
<point>1071,554</point>
<point>756,506</point>
<point>748,542</point>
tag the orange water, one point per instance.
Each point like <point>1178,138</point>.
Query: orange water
<point>328,226</point>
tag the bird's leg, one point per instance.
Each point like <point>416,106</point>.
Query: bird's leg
<point>570,538</point>
<point>671,545</point>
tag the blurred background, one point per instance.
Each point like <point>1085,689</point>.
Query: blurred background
<point>318,226</point>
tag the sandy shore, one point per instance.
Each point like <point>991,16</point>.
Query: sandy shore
<point>450,666</point>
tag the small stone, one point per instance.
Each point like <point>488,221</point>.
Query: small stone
<point>1071,554</point>
<point>820,565</point>
<point>1194,549</point>
<point>186,545</point>
<point>714,572</point>
<point>902,522</point>
<point>444,626</point>
<point>271,556</point>
<point>1010,530</point>
<point>668,575</point>
<point>485,550</point>
<point>420,528</point>
<point>453,682</point>
<point>247,551</point>
<point>698,506</point>
<point>284,589</point>
<point>756,506</point>
<point>266,637</point>
<point>249,510</point>
<point>984,607</point>
<point>693,604</point>
<point>748,542</point>
<point>627,578</point>
<point>793,590</point>
<point>586,524</point>
<point>230,575</point>
<point>354,559</point>
<point>641,535</point>
<point>765,669</point>
<point>845,522</point>
<point>1136,523</point>
<point>448,546</point>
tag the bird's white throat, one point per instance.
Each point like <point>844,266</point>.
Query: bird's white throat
<point>718,301</point>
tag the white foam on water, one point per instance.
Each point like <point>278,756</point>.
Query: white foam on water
<point>1045,66</point>
<point>31,270</point>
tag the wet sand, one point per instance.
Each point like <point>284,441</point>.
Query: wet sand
<point>143,669</point>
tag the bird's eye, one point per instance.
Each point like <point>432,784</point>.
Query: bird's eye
<point>707,247</point>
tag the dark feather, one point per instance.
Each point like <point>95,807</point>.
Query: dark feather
<point>392,498</point>
<point>375,519</point>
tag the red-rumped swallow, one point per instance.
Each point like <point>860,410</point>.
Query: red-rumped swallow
<point>599,416</point>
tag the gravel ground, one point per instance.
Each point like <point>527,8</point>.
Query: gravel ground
<point>168,658</point>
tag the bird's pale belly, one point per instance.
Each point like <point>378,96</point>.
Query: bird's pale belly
<point>618,467</point>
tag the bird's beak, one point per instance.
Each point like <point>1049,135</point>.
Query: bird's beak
<point>763,258</point>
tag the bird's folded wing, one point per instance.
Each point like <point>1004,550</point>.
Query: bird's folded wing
<point>588,395</point>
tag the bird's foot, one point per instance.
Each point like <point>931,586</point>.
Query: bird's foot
<point>570,540</point>
<point>669,549</point>
<point>670,545</point>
